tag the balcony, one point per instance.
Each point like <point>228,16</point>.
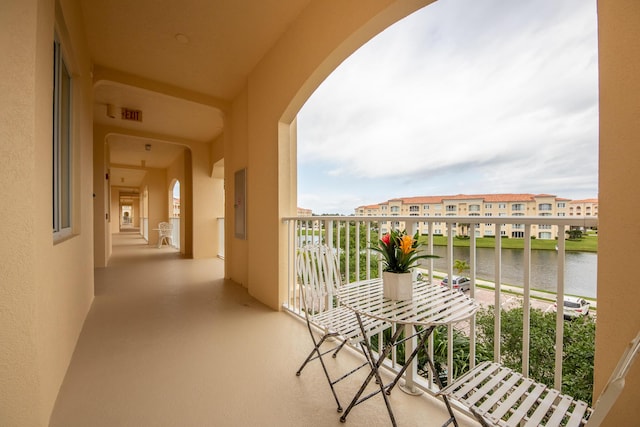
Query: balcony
<point>360,230</point>
<point>169,342</point>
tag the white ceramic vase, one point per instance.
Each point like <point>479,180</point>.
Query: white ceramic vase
<point>397,286</point>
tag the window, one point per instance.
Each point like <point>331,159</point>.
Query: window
<point>517,207</point>
<point>474,208</point>
<point>451,208</point>
<point>502,205</point>
<point>425,207</point>
<point>487,205</point>
<point>61,144</point>
<point>544,207</point>
<point>414,208</point>
<point>395,209</point>
<point>561,205</point>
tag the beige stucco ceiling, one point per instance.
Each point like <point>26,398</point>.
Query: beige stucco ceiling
<point>178,62</point>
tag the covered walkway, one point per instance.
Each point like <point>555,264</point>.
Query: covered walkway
<point>169,342</point>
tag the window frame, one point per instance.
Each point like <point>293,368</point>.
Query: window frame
<point>62,145</point>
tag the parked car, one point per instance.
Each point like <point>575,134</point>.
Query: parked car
<point>460,283</point>
<point>574,307</point>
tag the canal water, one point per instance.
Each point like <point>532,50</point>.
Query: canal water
<point>580,275</point>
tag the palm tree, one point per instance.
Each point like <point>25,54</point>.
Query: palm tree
<point>461,266</point>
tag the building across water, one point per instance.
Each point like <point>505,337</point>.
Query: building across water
<point>495,205</point>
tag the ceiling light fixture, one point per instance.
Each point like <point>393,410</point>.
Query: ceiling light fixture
<point>147,147</point>
<point>181,38</point>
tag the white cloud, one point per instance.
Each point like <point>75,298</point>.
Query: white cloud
<point>497,96</point>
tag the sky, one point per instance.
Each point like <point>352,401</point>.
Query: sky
<point>461,97</point>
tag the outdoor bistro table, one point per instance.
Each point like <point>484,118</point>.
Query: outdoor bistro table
<point>431,306</point>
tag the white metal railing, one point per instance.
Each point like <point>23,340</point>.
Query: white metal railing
<point>175,232</point>
<point>334,231</point>
<point>145,228</point>
<point>220,222</point>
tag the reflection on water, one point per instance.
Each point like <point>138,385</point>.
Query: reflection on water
<point>580,269</point>
<point>579,274</point>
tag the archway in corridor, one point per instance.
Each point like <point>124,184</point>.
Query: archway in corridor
<point>174,211</point>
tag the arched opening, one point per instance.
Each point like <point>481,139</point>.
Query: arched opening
<point>129,217</point>
<point>441,103</point>
<point>174,211</point>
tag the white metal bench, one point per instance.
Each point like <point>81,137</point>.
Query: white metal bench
<point>499,396</point>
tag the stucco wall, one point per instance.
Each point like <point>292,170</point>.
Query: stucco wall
<point>204,218</point>
<point>311,48</point>
<point>156,182</point>
<point>46,288</point>
<point>236,152</point>
<point>618,313</point>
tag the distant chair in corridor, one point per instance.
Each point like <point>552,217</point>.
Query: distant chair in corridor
<point>165,233</point>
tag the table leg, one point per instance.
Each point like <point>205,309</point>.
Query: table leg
<point>423,336</point>
<point>409,385</point>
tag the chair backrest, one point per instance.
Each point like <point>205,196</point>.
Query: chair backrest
<point>319,275</point>
<point>165,228</point>
<point>615,384</point>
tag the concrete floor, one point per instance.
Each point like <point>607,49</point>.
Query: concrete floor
<point>169,342</point>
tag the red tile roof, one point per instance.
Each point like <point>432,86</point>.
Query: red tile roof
<point>488,198</point>
<point>585,201</point>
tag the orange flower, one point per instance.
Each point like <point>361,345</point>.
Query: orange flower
<point>406,244</point>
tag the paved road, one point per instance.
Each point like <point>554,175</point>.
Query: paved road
<point>511,296</point>
<point>486,297</point>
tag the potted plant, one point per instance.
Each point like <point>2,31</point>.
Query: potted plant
<point>400,254</point>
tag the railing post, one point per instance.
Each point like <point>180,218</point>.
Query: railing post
<point>412,370</point>
<point>328,231</point>
<point>347,251</point>
<point>560,310</point>
<point>450,261</point>
<point>357,250</point>
<point>368,252</point>
<point>472,294</point>
<point>526,306</point>
<point>497,292</point>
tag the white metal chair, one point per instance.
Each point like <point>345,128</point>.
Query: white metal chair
<point>499,396</point>
<point>165,233</point>
<point>319,277</point>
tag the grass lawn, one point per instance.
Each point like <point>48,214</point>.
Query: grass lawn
<point>585,244</point>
